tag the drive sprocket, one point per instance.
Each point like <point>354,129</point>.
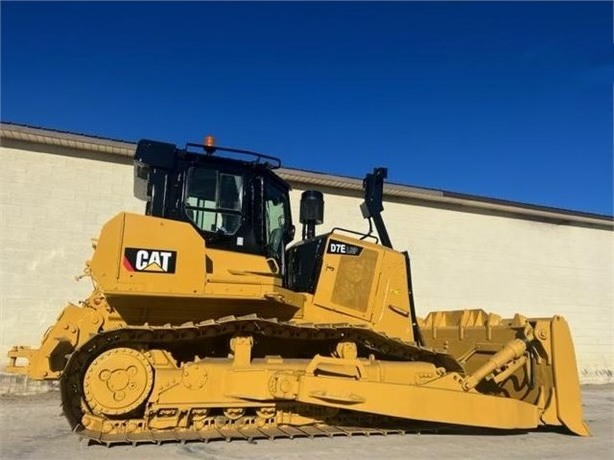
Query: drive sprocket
<point>117,382</point>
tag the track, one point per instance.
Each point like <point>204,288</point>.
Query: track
<point>250,434</point>
<point>220,427</point>
<point>248,427</point>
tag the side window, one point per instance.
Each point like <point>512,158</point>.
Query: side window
<point>214,200</point>
<point>276,208</point>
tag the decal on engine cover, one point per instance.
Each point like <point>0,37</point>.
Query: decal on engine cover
<point>149,260</point>
<point>346,249</point>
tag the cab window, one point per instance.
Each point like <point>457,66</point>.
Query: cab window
<point>213,200</point>
<point>276,211</point>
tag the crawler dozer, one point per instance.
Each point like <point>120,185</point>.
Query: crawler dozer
<point>207,322</point>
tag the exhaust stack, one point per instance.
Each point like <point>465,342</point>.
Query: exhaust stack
<point>312,212</point>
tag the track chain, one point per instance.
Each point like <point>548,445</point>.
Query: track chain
<point>251,435</point>
<point>157,336</point>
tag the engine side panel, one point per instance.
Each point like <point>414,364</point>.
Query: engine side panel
<point>149,255</point>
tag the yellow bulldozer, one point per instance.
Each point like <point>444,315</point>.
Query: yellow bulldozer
<point>207,322</point>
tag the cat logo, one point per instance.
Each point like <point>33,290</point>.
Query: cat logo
<point>149,260</point>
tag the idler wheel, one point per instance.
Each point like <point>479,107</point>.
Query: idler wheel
<point>118,381</point>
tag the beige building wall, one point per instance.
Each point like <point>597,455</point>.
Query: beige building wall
<point>54,199</point>
<point>51,206</point>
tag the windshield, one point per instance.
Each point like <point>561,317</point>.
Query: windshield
<point>213,200</point>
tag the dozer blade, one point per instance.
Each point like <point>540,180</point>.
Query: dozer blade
<point>527,359</point>
<point>566,380</point>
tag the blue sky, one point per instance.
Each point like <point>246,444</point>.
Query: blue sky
<point>505,100</point>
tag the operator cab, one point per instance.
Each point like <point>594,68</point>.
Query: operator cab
<point>235,204</point>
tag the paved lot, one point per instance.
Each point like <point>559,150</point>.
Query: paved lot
<point>32,427</point>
